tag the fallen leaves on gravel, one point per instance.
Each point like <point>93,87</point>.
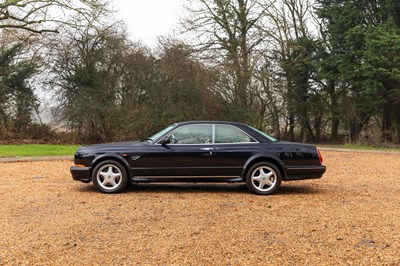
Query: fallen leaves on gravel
<point>350,216</point>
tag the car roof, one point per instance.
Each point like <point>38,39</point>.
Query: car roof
<point>210,122</point>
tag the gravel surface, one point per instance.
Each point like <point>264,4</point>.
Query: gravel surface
<point>350,216</point>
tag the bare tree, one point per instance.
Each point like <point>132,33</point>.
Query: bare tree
<point>88,69</point>
<point>228,37</point>
<point>39,16</point>
<point>292,47</point>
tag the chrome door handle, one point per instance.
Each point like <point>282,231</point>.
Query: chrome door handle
<point>207,149</point>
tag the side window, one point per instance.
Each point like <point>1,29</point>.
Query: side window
<point>192,134</point>
<point>230,134</point>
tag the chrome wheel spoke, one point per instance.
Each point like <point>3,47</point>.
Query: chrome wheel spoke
<point>115,175</point>
<point>103,174</point>
<point>256,178</point>
<point>261,172</point>
<point>268,182</point>
<point>261,185</point>
<point>104,182</point>
<point>109,171</point>
<point>269,175</point>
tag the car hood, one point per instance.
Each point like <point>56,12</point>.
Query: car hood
<point>111,147</point>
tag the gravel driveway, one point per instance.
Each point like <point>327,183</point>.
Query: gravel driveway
<point>350,216</point>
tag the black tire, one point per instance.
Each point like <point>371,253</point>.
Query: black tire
<point>263,178</point>
<point>110,176</point>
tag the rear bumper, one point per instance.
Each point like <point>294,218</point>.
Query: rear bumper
<point>81,173</point>
<point>305,172</point>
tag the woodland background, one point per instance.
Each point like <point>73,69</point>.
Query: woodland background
<point>301,70</point>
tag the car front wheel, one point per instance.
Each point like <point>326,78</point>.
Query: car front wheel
<point>110,177</point>
<point>263,178</point>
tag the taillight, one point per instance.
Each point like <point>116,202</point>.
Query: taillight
<point>321,159</point>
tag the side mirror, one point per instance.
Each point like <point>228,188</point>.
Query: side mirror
<point>165,141</point>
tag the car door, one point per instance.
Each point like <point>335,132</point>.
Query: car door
<point>189,152</point>
<point>233,148</point>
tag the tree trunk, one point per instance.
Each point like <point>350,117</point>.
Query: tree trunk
<point>291,127</point>
<point>387,118</point>
<point>390,122</point>
<point>334,112</point>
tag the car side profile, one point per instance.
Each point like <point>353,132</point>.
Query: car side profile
<point>199,151</point>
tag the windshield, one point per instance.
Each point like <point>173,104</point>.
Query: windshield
<point>265,134</point>
<point>161,133</point>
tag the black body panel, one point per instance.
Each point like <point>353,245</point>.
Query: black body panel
<point>155,161</point>
<point>181,160</point>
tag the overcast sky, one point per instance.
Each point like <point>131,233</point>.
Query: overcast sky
<point>148,19</point>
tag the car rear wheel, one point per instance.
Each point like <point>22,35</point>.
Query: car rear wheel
<point>110,177</point>
<point>263,178</point>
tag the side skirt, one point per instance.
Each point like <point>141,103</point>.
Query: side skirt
<point>185,179</point>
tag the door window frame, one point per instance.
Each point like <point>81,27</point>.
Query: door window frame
<point>186,125</point>
<point>213,136</point>
<point>227,143</point>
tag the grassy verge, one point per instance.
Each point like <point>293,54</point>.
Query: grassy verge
<point>32,150</point>
<point>360,147</point>
<point>36,150</point>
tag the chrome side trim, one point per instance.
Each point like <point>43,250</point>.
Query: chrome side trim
<point>134,158</point>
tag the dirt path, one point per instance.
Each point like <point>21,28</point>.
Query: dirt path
<point>350,216</point>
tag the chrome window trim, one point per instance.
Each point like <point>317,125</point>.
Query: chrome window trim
<point>154,142</point>
<point>175,129</point>
<point>213,132</point>
<point>255,141</point>
<point>237,143</point>
<point>209,144</point>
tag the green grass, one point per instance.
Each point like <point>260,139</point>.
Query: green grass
<point>360,147</point>
<point>29,150</point>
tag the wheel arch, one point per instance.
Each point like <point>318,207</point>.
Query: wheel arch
<point>264,158</point>
<point>111,156</point>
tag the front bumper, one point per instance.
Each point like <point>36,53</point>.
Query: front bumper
<point>81,173</point>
